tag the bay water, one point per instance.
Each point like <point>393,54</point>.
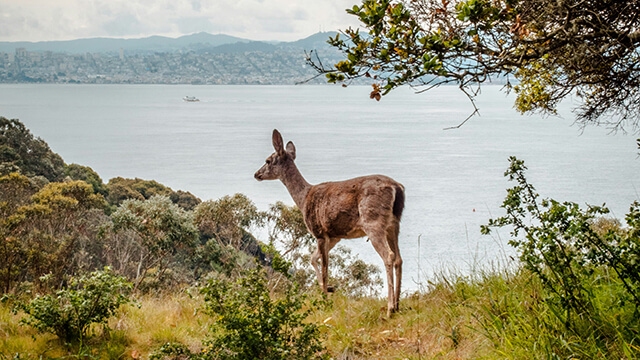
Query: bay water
<point>453,178</point>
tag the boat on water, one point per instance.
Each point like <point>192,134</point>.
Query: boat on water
<point>190,98</point>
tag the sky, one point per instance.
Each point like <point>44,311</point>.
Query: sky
<point>285,20</point>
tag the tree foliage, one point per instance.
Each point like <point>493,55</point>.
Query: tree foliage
<point>552,48</point>
<point>227,219</point>
<point>21,152</point>
<point>15,191</point>
<point>160,227</point>
<point>224,226</point>
<point>121,189</point>
<point>88,175</point>
<point>41,234</point>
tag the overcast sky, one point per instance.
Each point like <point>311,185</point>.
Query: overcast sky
<point>40,20</point>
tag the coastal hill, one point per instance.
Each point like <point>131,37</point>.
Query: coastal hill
<point>195,42</point>
<point>193,59</point>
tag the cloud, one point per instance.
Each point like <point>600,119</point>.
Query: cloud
<point>189,25</point>
<point>123,25</point>
<point>36,20</point>
<point>196,5</point>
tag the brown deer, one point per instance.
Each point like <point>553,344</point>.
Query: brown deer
<point>368,205</point>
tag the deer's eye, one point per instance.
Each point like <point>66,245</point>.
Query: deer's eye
<point>268,161</point>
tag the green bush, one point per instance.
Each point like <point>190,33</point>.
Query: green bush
<point>174,351</point>
<point>251,323</point>
<point>70,312</point>
<point>160,228</point>
<point>590,274</point>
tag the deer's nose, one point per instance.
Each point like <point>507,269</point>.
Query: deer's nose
<point>258,176</point>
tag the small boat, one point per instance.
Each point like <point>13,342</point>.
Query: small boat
<point>190,98</point>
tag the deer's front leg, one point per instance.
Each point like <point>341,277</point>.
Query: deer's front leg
<point>322,252</point>
<point>314,261</point>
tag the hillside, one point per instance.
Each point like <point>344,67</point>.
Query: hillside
<point>197,288</point>
<point>196,42</point>
<point>194,59</point>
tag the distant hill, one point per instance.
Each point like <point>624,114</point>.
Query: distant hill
<point>194,59</point>
<point>199,42</point>
<point>240,47</point>
<point>315,41</point>
<point>105,45</point>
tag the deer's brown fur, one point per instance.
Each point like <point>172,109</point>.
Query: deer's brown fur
<point>364,206</point>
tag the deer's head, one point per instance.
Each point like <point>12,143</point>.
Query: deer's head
<point>278,163</point>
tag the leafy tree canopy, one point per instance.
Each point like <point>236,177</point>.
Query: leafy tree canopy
<point>161,229</point>
<point>160,223</point>
<point>552,48</point>
<point>15,190</point>
<point>121,189</point>
<point>88,175</point>
<point>21,152</point>
<point>40,233</point>
<point>228,220</point>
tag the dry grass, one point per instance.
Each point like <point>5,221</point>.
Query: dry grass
<point>491,315</point>
<point>136,331</point>
<point>15,338</point>
<point>162,319</point>
<point>427,326</point>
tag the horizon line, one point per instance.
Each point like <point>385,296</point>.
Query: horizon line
<point>163,36</point>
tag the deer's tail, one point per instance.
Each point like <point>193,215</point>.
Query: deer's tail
<point>398,202</point>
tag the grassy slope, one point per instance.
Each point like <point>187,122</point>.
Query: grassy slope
<point>494,315</point>
<point>439,323</point>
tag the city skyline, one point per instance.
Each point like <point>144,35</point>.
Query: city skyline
<point>260,20</point>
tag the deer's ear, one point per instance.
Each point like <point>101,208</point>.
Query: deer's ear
<point>291,150</point>
<point>277,142</point>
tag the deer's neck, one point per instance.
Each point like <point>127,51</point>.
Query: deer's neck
<point>296,184</point>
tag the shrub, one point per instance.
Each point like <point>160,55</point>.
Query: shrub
<point>160,228</point>
<point>590,273</point>
<point>174,351</point>
<point>251,323</point>
<point>70,312</point>
<point>42,235</point>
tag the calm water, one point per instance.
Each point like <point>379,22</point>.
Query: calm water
<point>454,179</point>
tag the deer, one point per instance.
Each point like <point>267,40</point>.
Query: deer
<point>363,206</point>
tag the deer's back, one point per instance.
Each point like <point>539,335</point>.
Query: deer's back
<point>339,209</point>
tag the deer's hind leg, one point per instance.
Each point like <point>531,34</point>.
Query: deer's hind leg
<point>392,239</point>
<point>378,237</point>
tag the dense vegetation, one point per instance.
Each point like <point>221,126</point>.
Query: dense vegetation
<point>69,241</point>
<point>133,269</point>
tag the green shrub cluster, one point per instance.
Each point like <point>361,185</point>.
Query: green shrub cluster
<point>59,222</point>
<point>590,276</point>
<point>251,321</point>
<point>70,312</point>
